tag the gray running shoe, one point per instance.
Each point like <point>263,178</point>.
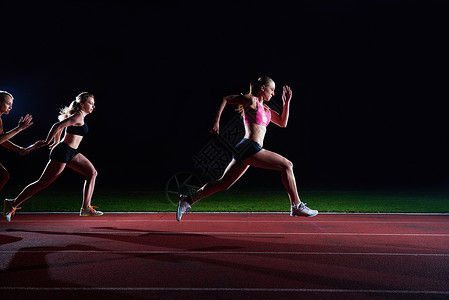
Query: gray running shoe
<point>303,210</point>
<point>183,207</point>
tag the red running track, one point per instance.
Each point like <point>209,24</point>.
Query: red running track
<point>224,256</point>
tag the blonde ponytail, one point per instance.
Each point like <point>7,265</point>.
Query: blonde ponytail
<point>254,87</point>
<point>75,106</point>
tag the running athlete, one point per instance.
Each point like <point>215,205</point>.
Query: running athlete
<point>64,153</point>
<point>249,151</point>
<point>6,101</point>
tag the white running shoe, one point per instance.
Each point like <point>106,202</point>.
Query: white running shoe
<point>90,212</point>
<point>8,209</point>
<point>302,210</point>
<point>183,207</point>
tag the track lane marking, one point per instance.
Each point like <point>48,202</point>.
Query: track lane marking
<point>225,233</point>
<point>307,221</point>
<point>276,290</point>
<point>227,252</point>
<point>138,233</point>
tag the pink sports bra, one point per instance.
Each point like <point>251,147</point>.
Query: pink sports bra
<point>261,116</point>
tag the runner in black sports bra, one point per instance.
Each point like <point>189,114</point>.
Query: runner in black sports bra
<point>78,130</point>
<point>64,153</point>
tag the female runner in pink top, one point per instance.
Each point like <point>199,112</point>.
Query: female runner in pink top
<point>250,152</point>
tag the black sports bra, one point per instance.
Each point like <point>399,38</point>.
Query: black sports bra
<point>78,130</point>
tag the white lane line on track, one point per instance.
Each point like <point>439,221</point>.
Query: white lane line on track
<point>238,213</point>
<point>316,233</point>
<point>212,233</point>
<point>276,290</point>
<point>307,221</point>
<point>227,252</point>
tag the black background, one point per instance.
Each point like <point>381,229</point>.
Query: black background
<point>369,81</point>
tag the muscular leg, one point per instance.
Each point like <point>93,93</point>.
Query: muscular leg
<point>233,172</point>
<point>83,166</point>
<point>51,172</point>
<point>4,176</point>
<point>269,160</point>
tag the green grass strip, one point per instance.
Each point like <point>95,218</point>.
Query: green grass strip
<point>355,201</point>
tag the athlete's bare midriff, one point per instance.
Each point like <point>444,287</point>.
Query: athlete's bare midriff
<point>255,132</point>
<point>72,140</point>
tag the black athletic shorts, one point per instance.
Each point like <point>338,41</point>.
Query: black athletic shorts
<point>63,153</point>
<point>245,148</point>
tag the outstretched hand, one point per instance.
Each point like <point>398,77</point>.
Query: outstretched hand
<point>53,144</point>
<point>27,150</point>
<point>25,122</point>
<point>286,94</point>
<point>215,128</point>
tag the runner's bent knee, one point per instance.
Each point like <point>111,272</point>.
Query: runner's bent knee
<point>288,164</point>
<point>92,173</point>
